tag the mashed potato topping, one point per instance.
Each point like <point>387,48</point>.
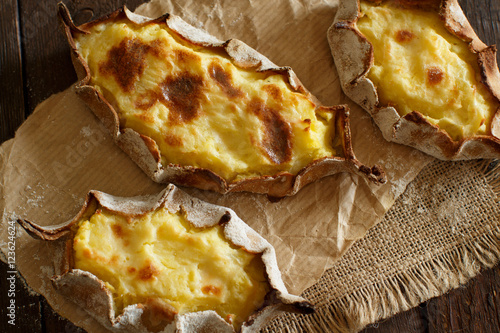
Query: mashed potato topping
<point>161,257</point>
<point>420,66</point>
<point>199,107</point>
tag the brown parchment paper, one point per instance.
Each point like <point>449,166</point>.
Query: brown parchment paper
<point>62,151</point>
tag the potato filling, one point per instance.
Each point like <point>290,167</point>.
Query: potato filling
<point>420,66</point>
<point>160,258</point>
<point>199,107</point>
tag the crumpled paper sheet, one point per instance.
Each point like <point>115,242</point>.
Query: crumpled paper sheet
<point>62,151</point>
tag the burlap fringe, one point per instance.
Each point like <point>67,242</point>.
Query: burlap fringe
<point>402,292</point>
<point>447,271</point>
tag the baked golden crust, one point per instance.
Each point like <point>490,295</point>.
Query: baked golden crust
<point>354,58</point>
<point>97,298</point>
<point>275,142</point>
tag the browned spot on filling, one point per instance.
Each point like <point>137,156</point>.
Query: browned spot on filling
<point>404,36</point>
<point>157,48</point>
<point>434,75</point>
<point>276,143</point>
<point>212,290</point>
<point>224,80</point>
<point>308,123</point>
<point>173,140</point>
<point>146,117</point>
<point>148,272</point>
<point>117,230</point>
<point>131,270</point>
<point>87,253</point>
<point>182,94</point>
<point>126,62</point>
<point>273,91</point>
<point>182,56</point>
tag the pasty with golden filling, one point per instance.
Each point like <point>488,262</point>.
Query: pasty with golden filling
<point>422,73</point>
<point>165,263</point>
<point>193,110</point>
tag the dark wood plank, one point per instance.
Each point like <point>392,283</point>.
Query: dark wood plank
<point>11,77</point>
<point>471,308</point>
<point>26,315</point>
<point>55,323</point>
<point>414,321</point>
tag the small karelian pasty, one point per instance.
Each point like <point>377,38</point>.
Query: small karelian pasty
<point>422,73</point>
<point>168,263</point>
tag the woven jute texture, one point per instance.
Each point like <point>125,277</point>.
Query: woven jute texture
<point>440,233</point>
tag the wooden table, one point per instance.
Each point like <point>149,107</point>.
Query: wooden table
<point>35,63</point>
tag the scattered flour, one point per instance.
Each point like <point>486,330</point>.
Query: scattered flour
<point>86,131</point>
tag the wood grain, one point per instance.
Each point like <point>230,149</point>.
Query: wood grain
<point>473,307</point>
<point>11,82</point>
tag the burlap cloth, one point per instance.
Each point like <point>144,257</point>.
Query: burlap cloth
<point>440,233</point>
